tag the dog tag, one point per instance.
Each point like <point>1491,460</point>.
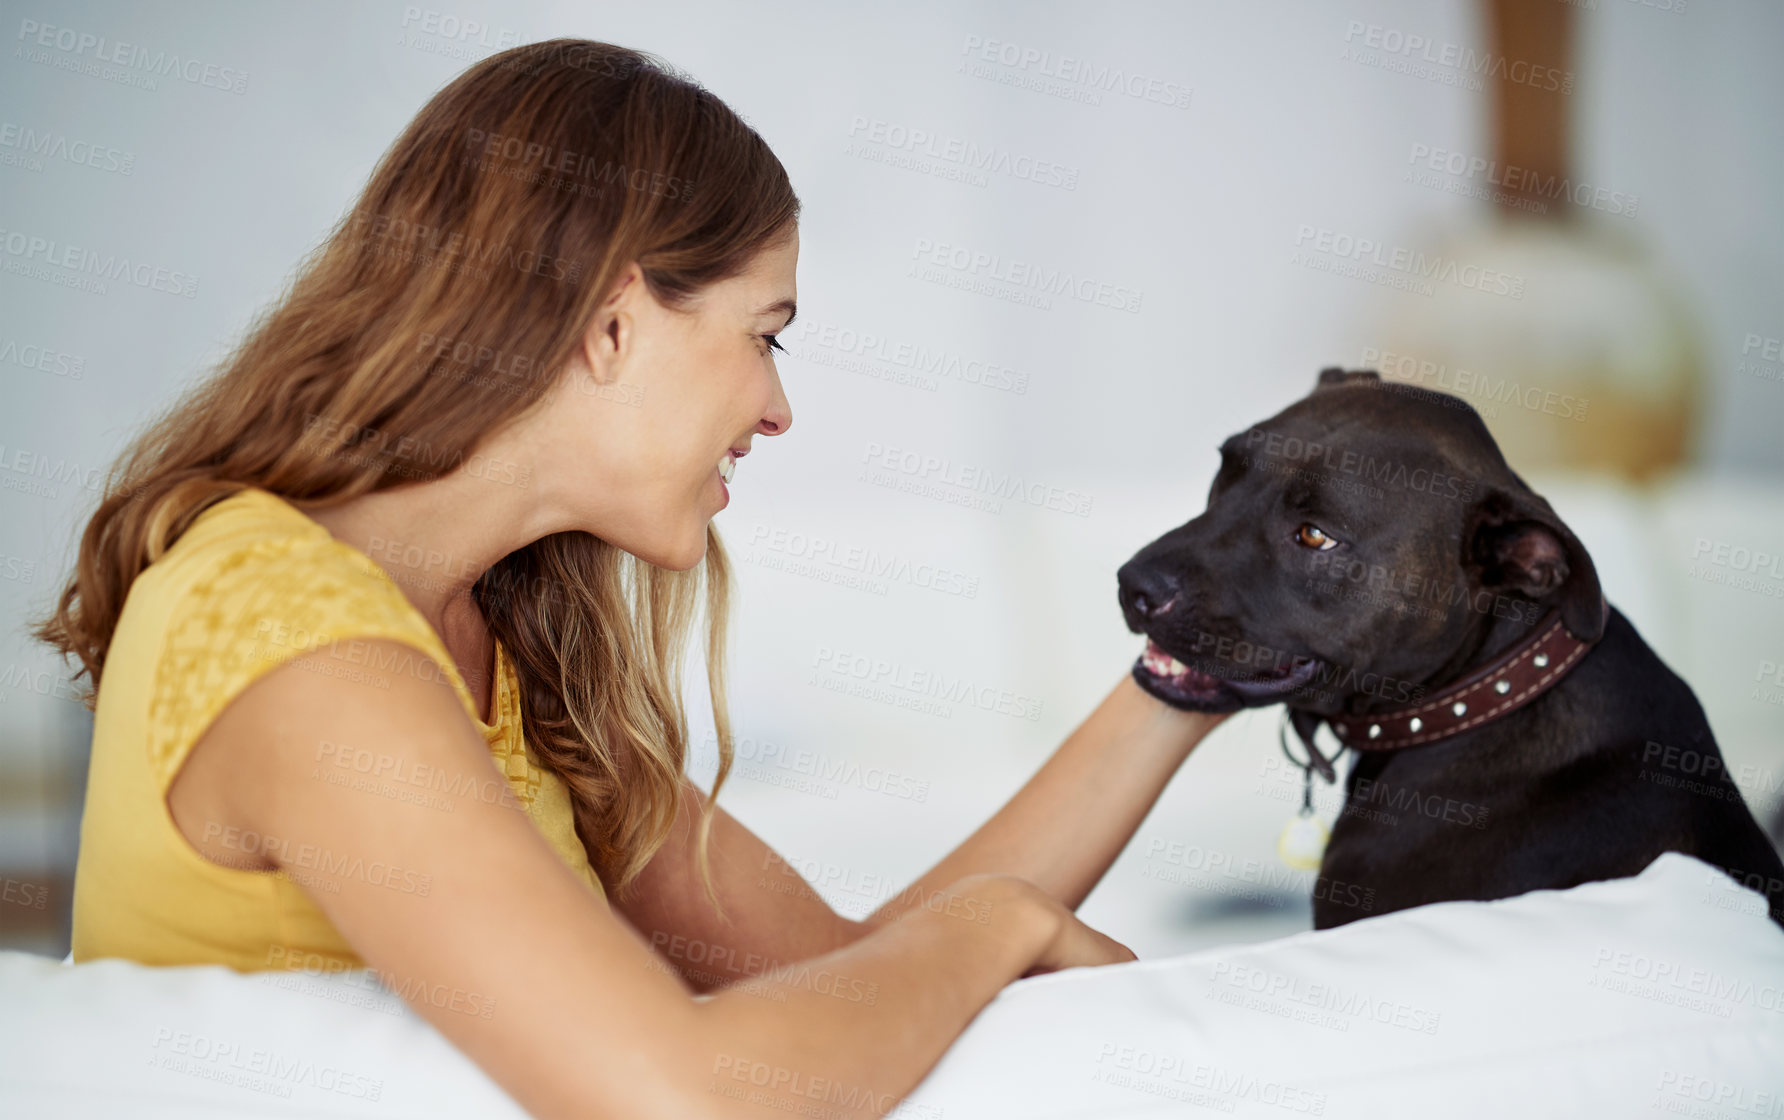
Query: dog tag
<point>1303,842</point>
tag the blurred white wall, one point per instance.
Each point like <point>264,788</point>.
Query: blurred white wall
<point>1186,199</point>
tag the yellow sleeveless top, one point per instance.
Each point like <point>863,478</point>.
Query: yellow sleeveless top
<point>196,629</point>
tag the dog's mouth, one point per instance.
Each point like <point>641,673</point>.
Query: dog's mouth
<point>1188,685</point>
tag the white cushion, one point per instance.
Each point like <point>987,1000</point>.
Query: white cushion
<point>1634,997</point>
<point>1656,994</point>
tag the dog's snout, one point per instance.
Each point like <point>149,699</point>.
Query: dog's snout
<point>1146,590</point>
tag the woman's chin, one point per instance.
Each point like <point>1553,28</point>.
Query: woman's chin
<point>687,557</point>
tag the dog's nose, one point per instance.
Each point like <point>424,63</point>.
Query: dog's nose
<point>1145,590</point>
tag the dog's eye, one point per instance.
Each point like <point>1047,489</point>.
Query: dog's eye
<point>1310,535</point>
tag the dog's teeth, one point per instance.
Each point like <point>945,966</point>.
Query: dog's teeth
<point>1163,663</point>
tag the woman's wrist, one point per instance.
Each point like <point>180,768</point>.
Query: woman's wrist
<point>1170,728</point>
<point>1018,913</point>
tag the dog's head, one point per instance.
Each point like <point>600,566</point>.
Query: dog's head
<point>1356,546</point>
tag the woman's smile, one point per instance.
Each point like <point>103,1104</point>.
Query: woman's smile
<point>727,470</point>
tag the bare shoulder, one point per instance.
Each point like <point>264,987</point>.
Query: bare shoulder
<point>457,901</point>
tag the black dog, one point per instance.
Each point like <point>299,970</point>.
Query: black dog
<point>1364,550</point>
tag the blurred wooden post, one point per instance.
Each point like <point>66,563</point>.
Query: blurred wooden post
<point>1532,129</point>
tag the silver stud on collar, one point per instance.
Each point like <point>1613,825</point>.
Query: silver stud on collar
<point>1416,723</point>
<point>1502,687</point>
<point>1542,661</point>
<point>1375,731</point>
<point>1459,708</point>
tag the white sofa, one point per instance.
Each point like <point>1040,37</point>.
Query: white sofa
<point>1660,993</point>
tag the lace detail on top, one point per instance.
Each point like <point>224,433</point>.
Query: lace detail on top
<point>265,602</point>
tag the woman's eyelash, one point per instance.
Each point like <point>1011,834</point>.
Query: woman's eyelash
<point>774,343</point>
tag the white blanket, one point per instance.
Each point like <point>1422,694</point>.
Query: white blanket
<point>1641,997</point>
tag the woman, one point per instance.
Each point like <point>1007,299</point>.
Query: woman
<point>391,613</point>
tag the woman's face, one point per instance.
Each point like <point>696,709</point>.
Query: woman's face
<point>636,429</point>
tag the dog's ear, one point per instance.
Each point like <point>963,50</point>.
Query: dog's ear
<point>1518,544</point>
<point>1335,375</point>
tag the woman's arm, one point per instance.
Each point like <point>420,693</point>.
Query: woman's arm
<point>1061,831</point>
<point>1064,828</point>
<point>468,914</point>
<point>773,917</point>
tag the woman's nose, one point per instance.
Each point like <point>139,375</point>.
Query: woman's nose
<point>779,416</point>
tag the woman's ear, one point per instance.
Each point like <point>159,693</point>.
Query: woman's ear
<point>1517,544</point>
<point>611,336</point>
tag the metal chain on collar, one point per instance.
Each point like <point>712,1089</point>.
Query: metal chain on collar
<point>1303,841</point>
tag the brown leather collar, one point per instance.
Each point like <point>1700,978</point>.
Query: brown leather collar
<point>1513,679</point>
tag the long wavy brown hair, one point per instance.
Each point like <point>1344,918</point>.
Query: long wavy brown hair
<point>442,305</point>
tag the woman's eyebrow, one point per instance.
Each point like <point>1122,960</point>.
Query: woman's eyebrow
<point>787,305</point>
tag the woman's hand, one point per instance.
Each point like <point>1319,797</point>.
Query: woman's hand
<point>1069,943</point>
<point>1077,945</point>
